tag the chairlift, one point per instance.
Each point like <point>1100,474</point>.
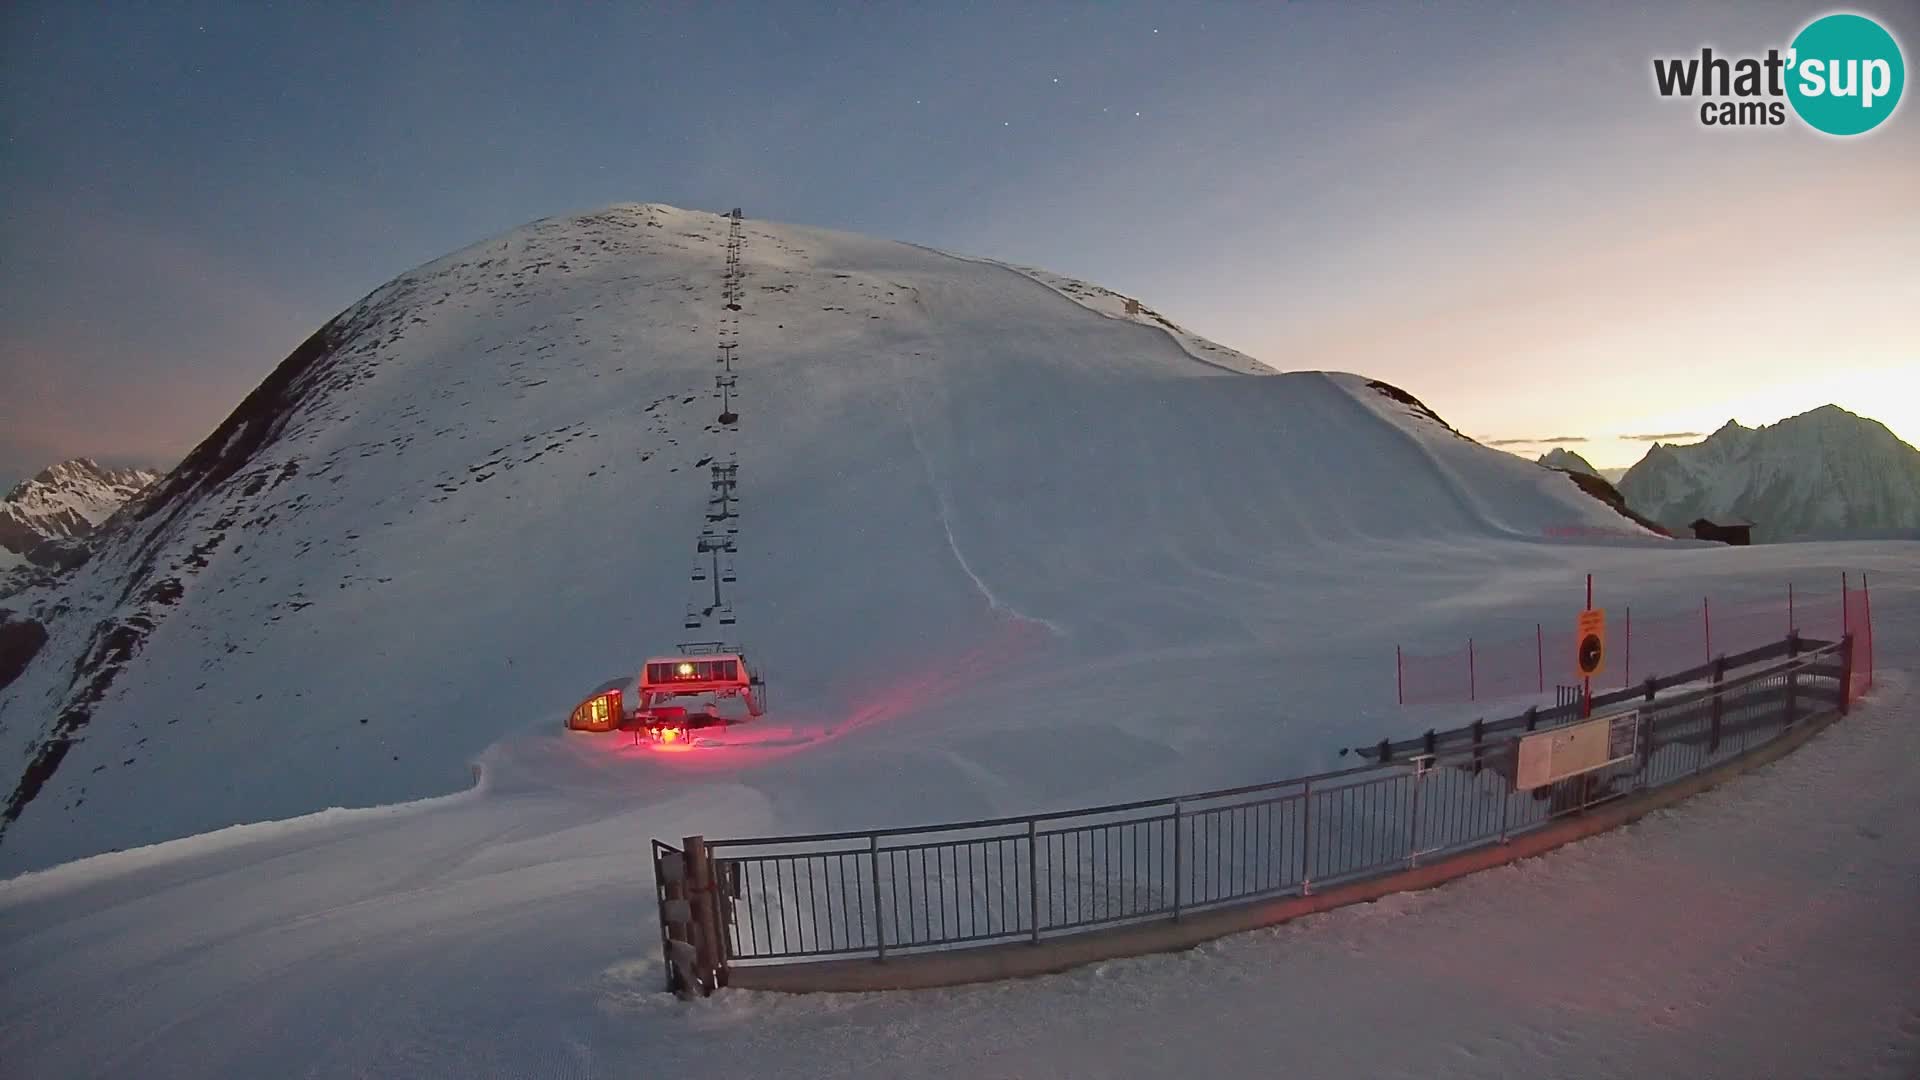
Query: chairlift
<point>699,568</point>
<point>727,572</point>
<point>726,615</point>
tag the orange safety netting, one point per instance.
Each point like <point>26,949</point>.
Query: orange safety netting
<point>1859,623</point>
<point>1638,647</point>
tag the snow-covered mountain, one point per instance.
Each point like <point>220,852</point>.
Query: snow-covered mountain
<point>1562,458</point>
<point>1827,472</point>
<point>968,498</point>
<point>67,501</point>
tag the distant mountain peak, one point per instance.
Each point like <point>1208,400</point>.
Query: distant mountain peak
<point>1562,458</point>
<point>1826,471</point>
<point>66,501</point>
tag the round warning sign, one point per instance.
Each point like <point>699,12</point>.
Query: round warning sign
<point>1590,658</point>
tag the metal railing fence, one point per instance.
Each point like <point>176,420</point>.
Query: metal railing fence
<point>894,891</point>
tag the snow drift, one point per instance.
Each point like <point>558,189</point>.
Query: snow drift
<point>973,502</point>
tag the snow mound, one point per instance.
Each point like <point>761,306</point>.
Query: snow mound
<point>1117,306</point>
<point>977,523</point>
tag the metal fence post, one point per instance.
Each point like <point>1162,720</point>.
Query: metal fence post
<point>1793,678</point>
<point>1306,839</point>
<point>1507,797</point>
<point>879,924</point>
<point>1413,816</point>
<point>1846,673</point>
<point>1643,739</point>
<point>1715,710</point>
<point>1179,876</point>
<point>1033,879</point>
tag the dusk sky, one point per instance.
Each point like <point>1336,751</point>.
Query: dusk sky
<point>1486,204</point>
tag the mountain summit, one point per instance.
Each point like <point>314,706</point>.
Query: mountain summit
<point>1828,472</point>
<point>1562,458</point>
<point>482,489</point>
<point>67,501</point>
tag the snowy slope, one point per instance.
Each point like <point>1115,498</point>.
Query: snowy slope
<point>971,507</point>
<point>65,501</point>
<point>1827,471</point>
<point>1117,306</point>
<point>1562,458</point>
<point>508,932</point>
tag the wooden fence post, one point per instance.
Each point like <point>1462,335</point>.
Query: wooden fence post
<point>706,921</point>
<point>1846,673</point>
<point>1866,616</point>
<point>1793,677</point>
<point>1706,623</point>
<point>1713,731</point>
<point>676,922</point>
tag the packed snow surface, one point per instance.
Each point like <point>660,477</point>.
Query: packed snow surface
<point>1763,929</point>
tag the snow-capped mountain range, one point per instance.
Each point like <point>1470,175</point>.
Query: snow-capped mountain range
<point>67,501</point>
<point>1828,472</point>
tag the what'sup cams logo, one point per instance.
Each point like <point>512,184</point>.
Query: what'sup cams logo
<point>1842,75</point>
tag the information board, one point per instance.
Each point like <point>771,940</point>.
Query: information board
<point>1547,756</point>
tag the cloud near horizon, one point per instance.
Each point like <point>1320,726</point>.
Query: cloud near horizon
<point>1663,436</point>
<point>1549,441</point>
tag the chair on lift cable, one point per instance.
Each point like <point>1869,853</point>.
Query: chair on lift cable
<point>726,615</point>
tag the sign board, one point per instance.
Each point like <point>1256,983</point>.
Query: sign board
<point>1590,637</point>
<point>1547,756</point>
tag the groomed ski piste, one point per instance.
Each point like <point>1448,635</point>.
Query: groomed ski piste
<point>1000,552</point>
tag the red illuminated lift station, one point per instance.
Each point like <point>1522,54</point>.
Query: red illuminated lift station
<point>707,671</point>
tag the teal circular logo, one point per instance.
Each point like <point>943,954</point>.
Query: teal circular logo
<point>1845,74</point>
